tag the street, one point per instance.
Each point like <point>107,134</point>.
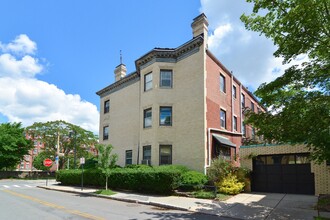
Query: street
<point>21,199</point>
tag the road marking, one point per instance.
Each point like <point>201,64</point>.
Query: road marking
<point>17,186</point>
<point>5,186</point>
<point>45,203</point>
<point>28,186</point>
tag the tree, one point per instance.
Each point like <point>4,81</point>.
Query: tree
<point>106,160</point>
<point>70,138</point>
<point>38,161</point>
<point>13,145</point>
<point>298,102</point>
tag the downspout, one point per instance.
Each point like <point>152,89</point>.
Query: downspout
<point>232,102</point>
<point>209,150</point>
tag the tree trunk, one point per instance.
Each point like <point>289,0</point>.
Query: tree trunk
<point>106,183</point>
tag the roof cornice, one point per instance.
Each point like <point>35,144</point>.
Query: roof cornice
<point>169,52</point>
<point>120,82</point>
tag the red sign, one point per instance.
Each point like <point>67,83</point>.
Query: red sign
<point>48,162</point>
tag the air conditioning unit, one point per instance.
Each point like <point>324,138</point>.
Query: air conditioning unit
<point>146,162</point>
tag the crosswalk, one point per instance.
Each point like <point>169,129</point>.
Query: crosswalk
<point>23,186</point>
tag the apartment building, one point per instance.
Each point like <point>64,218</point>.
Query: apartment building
<point>180,106</point>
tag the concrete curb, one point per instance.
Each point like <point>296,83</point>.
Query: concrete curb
<point>119,199</point>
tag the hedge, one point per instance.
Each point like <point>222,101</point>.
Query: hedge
<point>160,180</point>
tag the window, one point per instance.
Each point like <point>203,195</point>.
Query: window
<point>35,151</point>
<point>106,106</point>
<point>235,123</point>
<point>243,129</point>
<point>147,152</point>
<point>252,106</point>
<point>128,157</point>
<point>105,132</point>
<point>223,118</point>
<point>222,83</point>
<point>234,92</point>
<point>165,116</point>
<point>243,100</point>
<point>253,133</point>
<point>165,154</point>
<point>166,78</point>
<point>147,115</point>
<point>147,81</point>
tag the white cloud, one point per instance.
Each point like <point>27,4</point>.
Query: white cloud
<point>24,98</point>
<point>27,66</point>
<point>21,45</point>
<point>247,54</point>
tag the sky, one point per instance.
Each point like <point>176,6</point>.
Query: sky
<point>56,54</point>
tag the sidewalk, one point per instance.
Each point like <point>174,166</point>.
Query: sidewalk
<point>242,206</point>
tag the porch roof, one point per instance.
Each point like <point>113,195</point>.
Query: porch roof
<point>223,140</point>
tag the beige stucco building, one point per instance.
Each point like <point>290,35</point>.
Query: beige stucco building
<point>180,106</point>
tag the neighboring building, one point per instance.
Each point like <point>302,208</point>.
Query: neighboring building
<point>27,163</point>
<point>285,169</point>
<point>180,106</point>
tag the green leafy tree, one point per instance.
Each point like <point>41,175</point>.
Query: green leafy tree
<point>38,161</point>
<point>298,102</point>
<point>13,145</point>
<point>106,160</point>
<point>70,137</point>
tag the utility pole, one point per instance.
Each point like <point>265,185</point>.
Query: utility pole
<point>58,151</point>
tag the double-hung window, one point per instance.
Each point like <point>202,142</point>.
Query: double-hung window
<point>243,100</point>
<point>222,83</point>
<point>252,106</point>
<point>165,154</point>
<point>165,116</point>
<point>147,153</point>
<point>128,157</point>
<point>222,118</point>
<point>105,132</point>
<point>243,129</point>
<point>234,92</point>
<point>235,123</point>
<point>166,78</point>
<point>147,115</point>
<point>106,106</point>
<point>147,81</point>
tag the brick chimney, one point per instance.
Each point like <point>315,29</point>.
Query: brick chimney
<point>200,26</point>
<point>120,71</point>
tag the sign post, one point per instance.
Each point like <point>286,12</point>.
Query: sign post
<point>47,163</point>
<point>82,162</point>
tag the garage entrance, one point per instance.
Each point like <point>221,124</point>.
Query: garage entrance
<point>283,173</point>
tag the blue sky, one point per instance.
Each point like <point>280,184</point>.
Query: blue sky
<point>54,55</point>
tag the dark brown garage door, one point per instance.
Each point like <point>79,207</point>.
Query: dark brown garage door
<point>285,173</point>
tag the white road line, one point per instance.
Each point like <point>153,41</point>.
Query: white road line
<point>5,186</point>
<point>17,186</point>
<point>28,186</point>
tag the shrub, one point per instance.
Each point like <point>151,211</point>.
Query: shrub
<point>180,168</point>
<point>92,177</point>
<point>219,169</point>
<point>230,185</point>
<point>145,180</point>
<point>192,180</point>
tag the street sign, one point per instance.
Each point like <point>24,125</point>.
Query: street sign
<point>48,162</point>
<point>82,160</point>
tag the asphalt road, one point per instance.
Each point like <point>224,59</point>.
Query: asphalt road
<point>20,199</point>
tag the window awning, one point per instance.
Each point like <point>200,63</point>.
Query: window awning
<point>223,140</point>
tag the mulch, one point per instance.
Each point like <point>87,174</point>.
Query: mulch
<point>324,203</point>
